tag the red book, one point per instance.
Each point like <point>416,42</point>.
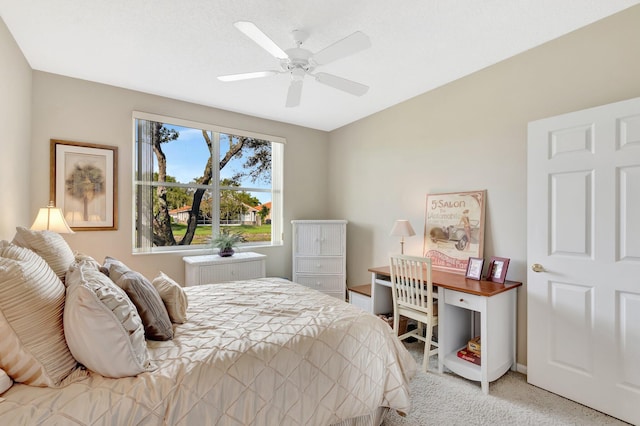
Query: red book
<point>469,356</point>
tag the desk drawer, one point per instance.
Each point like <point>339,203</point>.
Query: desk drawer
<point>464,300</point>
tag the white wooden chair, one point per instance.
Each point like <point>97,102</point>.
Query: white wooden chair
<point>413,297</point>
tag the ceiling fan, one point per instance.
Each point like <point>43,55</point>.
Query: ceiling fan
<point>299,62</point>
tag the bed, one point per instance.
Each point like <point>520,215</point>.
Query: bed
<point>260,352</point>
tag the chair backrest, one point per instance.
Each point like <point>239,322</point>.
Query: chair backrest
<point>411,282</point>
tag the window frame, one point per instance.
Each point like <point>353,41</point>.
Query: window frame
<point>277,179</point>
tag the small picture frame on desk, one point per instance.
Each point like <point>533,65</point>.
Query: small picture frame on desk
<point>497,271</point>
<point>474,268</point>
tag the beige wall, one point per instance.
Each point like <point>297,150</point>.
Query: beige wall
<point>15,135</point>
<point>76,110</point>
<point>472,134</point>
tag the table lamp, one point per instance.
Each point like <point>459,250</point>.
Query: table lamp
<point>402,228</point>
<point>50,218</point>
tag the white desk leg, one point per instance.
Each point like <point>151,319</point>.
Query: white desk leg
<point>486,346</point>
<point>442,328</point>
<point>381,297</point>
<point>514,312</point>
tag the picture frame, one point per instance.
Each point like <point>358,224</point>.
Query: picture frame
<point>497,271</point>
<point>83,183</point>
<point>454,229</point>
<point>474,268</point>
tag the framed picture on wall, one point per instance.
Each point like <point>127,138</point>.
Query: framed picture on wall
<point>454,229</point>
<point>83,184</point>
<point>497,271</point>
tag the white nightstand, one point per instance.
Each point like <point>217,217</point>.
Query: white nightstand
<point>211,269</point>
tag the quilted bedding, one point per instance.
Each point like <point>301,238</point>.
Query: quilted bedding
<point>263,352</point>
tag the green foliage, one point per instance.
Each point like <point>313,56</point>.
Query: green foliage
<point>234,203</point>
<point>258,165</point>
<point>264,212</point>
<point>165,135</point>
<point>176,197</point>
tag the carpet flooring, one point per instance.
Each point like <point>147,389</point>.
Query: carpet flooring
<point>448,399</point>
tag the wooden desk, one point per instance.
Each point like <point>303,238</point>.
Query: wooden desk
<point>459,298</point>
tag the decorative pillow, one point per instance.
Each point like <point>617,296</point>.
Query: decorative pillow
<point>32,342</point>
<point>115,266</point>
<point>173,296</point>
<point>48,245</point>
<point>5,382</point>
<point>81,257</point>
<point>157,325</point>
<point>102,327</point>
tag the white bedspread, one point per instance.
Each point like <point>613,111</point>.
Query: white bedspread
<point>263,352</point>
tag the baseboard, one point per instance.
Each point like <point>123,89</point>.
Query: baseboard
<point>521,368</point>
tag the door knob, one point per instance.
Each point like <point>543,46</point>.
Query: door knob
<point>536,267</point>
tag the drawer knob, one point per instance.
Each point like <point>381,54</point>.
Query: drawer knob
<point>461,300</point>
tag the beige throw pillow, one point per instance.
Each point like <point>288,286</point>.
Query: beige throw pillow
<point>157,325</point>
<point>32,342</point>
<point>48,245</point>
<point>81,257</point>
<point>5,382</point>
<point>114,268</point>
<point>102,326</point>
<point>173,296</point>
<point>145,297</point>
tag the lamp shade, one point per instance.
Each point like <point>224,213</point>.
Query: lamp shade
<point>402,228</point>
<point>50,218</point>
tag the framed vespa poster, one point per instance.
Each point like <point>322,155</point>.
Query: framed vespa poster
<point>454,229</point>
<point>84,184</point>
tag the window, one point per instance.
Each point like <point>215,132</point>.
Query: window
<point>193,181</point>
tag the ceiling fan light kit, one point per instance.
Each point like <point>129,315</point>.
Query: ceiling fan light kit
<point>299,62</point>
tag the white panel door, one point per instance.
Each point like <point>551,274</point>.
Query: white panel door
<point>583,285</point>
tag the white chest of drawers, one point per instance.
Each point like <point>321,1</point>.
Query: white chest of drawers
<point>210,269</point>
<point>319,255</point>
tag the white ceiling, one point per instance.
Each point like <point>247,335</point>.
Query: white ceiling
<point>177,48</point>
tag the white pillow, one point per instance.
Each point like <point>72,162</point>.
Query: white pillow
<point>81,257</point>
<point>173,296</point>
<point>5,382</point>
<point>102,327</point>
<point>48,245</point>
<point>32,342</point>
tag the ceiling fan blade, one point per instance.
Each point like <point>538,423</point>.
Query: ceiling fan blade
<point>341,83</point>
<point>294,94</point>
<point>247,75</point>
<point>261,39</point>
<point>347,46</point>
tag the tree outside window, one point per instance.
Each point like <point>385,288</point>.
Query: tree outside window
<point>191,182</point>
